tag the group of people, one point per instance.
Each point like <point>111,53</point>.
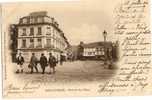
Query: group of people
<point>51,62</point>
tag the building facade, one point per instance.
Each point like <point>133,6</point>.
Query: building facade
<point>13,41</point>
<point>39,33</point>
<point>99,50</point>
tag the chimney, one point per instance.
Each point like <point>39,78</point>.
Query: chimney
<point>52,20</point>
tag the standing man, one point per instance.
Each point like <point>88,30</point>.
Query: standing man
<point>52,62</point>
<point>20,61</point>
<point>33,63</point>
<point>43,62</point>
<point>61,59</point>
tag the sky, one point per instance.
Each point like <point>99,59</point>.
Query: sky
<point>83,20</point>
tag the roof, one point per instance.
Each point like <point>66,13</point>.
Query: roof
<point>36,14</point>
<point>97,44</point>
<point>39,13</point>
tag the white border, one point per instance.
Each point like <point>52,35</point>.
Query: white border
<point>71,98</point>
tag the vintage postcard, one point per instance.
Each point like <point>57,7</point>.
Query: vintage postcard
<point>76,48</point>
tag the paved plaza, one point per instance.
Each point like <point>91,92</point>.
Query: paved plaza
<point>71,71</point>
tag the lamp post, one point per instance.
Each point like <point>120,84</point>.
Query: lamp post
<point>104,35</point>
<point>105,54</point>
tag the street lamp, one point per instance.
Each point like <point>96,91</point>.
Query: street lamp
<point>105,55</point>
<point>104,35</point>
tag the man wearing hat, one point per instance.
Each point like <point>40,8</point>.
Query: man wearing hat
<point>52,62</point>
<point>43,62</point>
<point>33,63</point>
<point>20,61</point>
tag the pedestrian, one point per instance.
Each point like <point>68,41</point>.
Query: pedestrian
<point>43,62</point>
<point>61,59</point>
<point>20,61</point>
<point>52,62</point>
<point>33,63</point>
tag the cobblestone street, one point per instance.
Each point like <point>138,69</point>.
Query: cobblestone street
<point>71,71</point>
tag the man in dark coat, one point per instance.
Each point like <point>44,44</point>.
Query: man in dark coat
<point>20,61</point>
<point>61,59</point>
<point>52,62</point>
<point>33,63</point>
<point>43,62</point>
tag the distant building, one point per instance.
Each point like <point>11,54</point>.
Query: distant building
<point>40,33</point>
<point>95,51</point>
<point>72,52</point>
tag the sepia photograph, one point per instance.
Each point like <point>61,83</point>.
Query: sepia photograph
<point>40,46</point>
<point>76,48</point>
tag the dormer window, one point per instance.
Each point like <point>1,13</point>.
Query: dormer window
<point>24,20</point>
<point>40,19</point>
<point>35,20</point>
<point>32,20</point>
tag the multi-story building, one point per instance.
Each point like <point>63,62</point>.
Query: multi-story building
<point>94,51</point>
<point>99,50</point>
<point>39,33</point>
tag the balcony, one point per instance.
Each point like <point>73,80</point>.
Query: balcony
<point>39,34</point>
<point>24,34</point>
<point>31,46</point>
<point>39,46</point>
<point>23,47</point>
<point>31,34</point>
<point>49,46</point>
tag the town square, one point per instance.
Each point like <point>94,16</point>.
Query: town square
<point>77,71</point>
<point>40,47</point>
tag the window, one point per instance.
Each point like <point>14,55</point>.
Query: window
<point>54,42</point>
<point>31,20</point>
<point>31,43</point>
<point>31,40</point>
<point>24,32</point>
<point>39,40</point>
<point>24,20</point>
<point>39,30</point>
<point>35,20</point>
<point>48,28</point>
<point>53,30</point>
<point>32,31</point>
<point>23,43</point>
<point>39,43</point>
<point>40,20</point>
<point>48,42</point>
